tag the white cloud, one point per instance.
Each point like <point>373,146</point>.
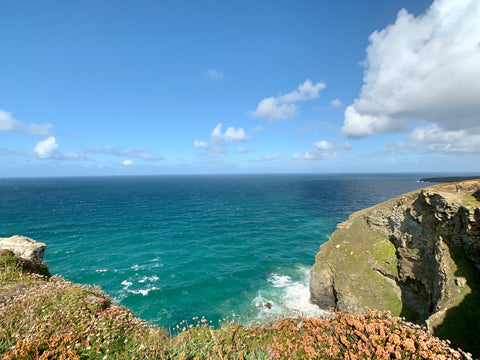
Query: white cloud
<point>283,106</point>
<point>200,144</point>
<point>336,103</point>
<point>270,108</point>
<point>47,149</point>
<point>433,138</point>
<point>127,162</point>
<point>9,124</point>
<point>322,150</point>
<point>219,140</point>
<point>213,74</point>
<point>357,125</point>
<point>323,145</point>
<point>137,153</point>
<point>315,154</point>
<point>423,69</point>
<point>231,135</point>
<point>305,91</point>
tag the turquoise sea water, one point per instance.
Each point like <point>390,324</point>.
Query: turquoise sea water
<point>171,248</point>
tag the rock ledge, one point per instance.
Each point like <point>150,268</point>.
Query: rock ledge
<point>24,247</point>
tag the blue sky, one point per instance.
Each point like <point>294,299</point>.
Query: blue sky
<point>187,87</point>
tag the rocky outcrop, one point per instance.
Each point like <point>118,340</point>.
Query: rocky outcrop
<point>24,247</point>
<point>417,255</point>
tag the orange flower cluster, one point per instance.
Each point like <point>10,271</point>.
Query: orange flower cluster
<point>345,336</point>
<point>52,318</point>
<point>55,347</point>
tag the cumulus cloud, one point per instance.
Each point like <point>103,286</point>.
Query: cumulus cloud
<point>137,153</point>
<point>231,135</point>
<point>127,162</point>
<point>219,140</point>
<point>357,125</point>
<point>270,108</point>
<point>9,124</point>
<point>422,69</point>
<point>49,149</point>
<point>323,145</point>
<point>306,91</point>
<point>322,150</point>
<point>213,74</point>
<point>283,106</point>
<point>200,144</point>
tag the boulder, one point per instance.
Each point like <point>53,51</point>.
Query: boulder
<point>24,247</point>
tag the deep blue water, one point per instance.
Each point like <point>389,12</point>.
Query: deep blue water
<point>171,248</point>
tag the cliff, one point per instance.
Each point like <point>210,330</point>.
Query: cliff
<point>417,255</point>
<point>47,317</point>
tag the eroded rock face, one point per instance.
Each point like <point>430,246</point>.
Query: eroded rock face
<point>417,255</point>
<point>24,247</point>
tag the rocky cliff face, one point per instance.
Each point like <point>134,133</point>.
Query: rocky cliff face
<point>417,255</point>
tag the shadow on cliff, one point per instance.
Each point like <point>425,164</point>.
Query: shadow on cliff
<point>462,323</point>
<point>476,195</point>
<point>423,283</point>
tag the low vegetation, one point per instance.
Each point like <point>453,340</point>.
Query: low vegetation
<point>47,317</point>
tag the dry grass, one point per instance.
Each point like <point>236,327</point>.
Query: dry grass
<point>52,318</point>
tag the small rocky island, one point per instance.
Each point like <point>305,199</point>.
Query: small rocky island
<point>417,255</point>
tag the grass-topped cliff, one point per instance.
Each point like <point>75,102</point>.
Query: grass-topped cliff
<point>417,255</point>
<point>47,317</point>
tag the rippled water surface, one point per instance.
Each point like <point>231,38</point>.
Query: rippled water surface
<point>174,247</point>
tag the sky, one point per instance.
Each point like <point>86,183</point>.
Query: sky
<point>93,88</point>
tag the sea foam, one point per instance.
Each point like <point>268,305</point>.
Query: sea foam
<point>286,293</point>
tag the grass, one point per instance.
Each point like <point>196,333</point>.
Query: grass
<point>13,268</point>
<point>471,200</point>
<point>51,318</point>
<point>348,252</point>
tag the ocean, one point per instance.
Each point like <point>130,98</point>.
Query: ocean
<point>174,248</point>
